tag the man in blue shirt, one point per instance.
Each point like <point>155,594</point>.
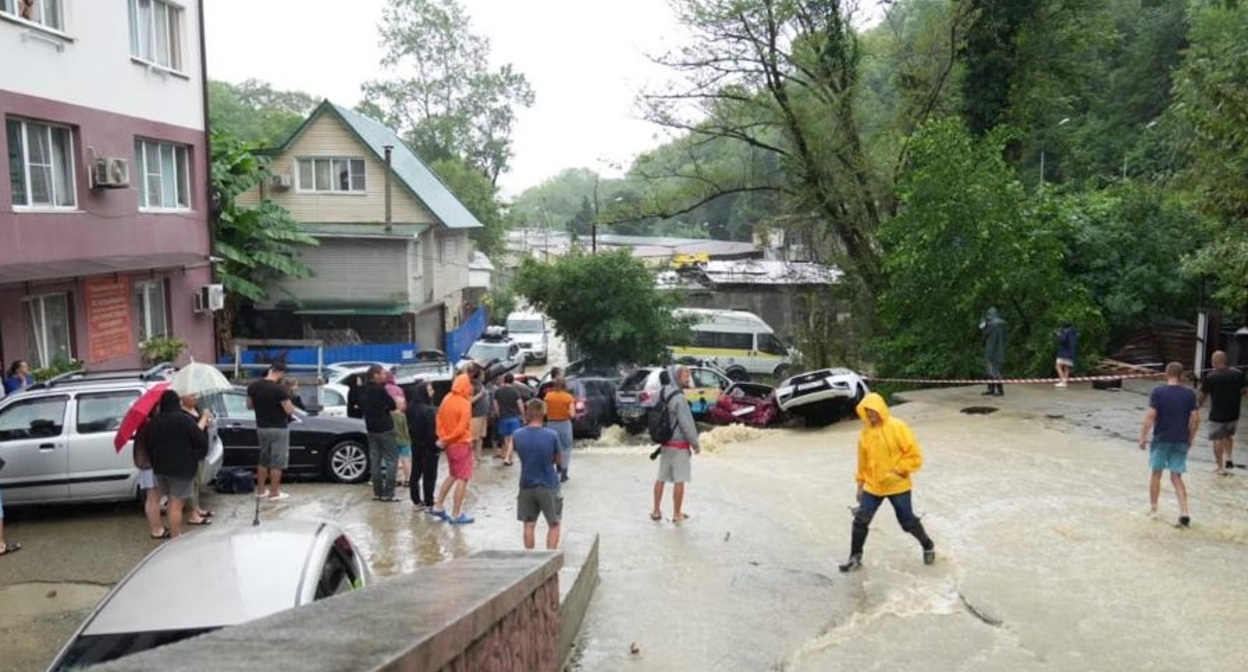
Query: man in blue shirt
<point>538,448</point>
<point>1173,416</point>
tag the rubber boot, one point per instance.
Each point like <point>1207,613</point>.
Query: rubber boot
<point>857,541</point>
<point>929,547</point>
<point>991,391</point>
<point>1000,390</point>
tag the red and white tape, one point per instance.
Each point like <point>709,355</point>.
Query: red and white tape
<point>1013,381</point>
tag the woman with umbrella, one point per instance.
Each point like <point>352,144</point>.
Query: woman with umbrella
<point>176,443</point>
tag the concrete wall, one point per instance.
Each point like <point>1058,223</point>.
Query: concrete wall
<point>89,63</point>
<point>451,253</point>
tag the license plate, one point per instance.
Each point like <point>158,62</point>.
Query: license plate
<point>627,400</point>
<point>811,386</point>
<point>630,413</point>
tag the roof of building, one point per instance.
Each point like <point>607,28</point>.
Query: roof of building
<point>759,272</point>
<point>480,262</point>
<point>413,174</point>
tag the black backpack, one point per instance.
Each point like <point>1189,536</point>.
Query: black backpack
<point>659,420</point>
<point>234,481</point>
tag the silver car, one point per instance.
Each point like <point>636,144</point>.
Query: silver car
<point>56,440</point>
<point>218,577</point>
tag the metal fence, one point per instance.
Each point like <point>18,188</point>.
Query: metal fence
<point>462,338</point>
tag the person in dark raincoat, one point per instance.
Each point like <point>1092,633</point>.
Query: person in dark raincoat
<point>993,329</point>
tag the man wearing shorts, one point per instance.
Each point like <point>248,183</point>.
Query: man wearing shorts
<point>1173,416</point>
<point>538,448</point>
<point>480,411</point>
<point>1224,387</point>
<point>176,443</point>
<point>509,408</point>
<point>454,427</point>
<point>675,462</point>
<point>268,398</point>
<point>147,483</point>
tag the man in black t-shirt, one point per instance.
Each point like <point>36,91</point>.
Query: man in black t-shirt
<point>383,448</point>
<point>509,408</point>
<point>1224,387</point>
<point>268,398</point>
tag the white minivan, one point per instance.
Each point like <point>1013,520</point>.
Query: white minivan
<point>528,329</point>
<point>737,341</point>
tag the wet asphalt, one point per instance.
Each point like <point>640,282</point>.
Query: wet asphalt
<point>748,583</point>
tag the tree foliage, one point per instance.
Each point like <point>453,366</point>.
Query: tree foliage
<point>259,243</point>
<point>605,305</point>
<point>480,196</point>
<point>255,112</point>
<point>440,89</point>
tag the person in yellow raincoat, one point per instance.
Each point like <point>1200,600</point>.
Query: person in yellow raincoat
<point>887,454</point>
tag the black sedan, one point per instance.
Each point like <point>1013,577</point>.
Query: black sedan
<point>334,448</point>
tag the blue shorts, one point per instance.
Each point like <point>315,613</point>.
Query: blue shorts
<point>405,450</point>
<point>508,426</point>
<point>1163,455</point>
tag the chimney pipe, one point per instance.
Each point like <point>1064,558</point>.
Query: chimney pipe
<point>389,180</point>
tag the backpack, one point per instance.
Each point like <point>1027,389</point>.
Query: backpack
<point>234,481</point>
<point>659,421</point>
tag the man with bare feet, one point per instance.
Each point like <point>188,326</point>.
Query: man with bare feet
<point>1173,417</point>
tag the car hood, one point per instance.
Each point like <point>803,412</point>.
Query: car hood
<point>212,579</point>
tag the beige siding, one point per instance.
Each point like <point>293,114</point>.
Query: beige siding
<point>347,269</point>
<point>328,137</point>
<point>450,268</point>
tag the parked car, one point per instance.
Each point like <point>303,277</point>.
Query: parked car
<point>57,440</point>
<point>334,448</point>
<point>752,404</point>
<point>823,396</point>
<point>640,391</point>
<point>218,577</point>
<point>426,364</point>
<point>358,366</point>
<point>529,330</point>
<point>501,353</point>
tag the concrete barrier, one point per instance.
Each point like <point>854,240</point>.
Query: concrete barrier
<point>577,581</point>
<point>495,610</point>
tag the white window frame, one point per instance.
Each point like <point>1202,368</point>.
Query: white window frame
<point>151,300</point>
<point>71,174</point>
<point>144,31</point>
<point>181,158</point>
<point>41,20</point>
<point>352,163</point>
<point>37,306</point>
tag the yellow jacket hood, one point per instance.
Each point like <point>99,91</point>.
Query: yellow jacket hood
<point>887,453</point>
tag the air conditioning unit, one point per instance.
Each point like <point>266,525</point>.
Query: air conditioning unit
<point>281,181</point>
<point>110,172</point>
<point>209,298</point>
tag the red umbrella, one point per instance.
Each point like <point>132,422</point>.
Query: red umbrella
<point>138,414</point>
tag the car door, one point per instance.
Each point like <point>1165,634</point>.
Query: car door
<point>236,425</point>
<point>706,388</point>
<point>97,469</point>
<point>33,446</point>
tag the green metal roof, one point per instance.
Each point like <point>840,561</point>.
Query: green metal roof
<point>411,171</point>
<point>362,230</point>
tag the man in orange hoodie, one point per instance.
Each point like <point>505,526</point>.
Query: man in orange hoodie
<point>887,454</point>
<point>454,427</point>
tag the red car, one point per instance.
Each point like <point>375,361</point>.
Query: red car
<point>753,404</point>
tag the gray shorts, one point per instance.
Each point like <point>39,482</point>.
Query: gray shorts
<point>675,465</point>
<point>274,447</point>
<point>172,486</point>
<point>532,501</point>
<point>1222,430</point>
<point>147,479</point>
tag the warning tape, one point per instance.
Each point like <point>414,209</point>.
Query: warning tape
<point>1013,381</point>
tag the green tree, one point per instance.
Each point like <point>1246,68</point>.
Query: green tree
<point>255,112</point>
<point>606,305</point>
<point>967,239</point>
<point>259,243</point>
<point>582,223</point>
<point>480,196</point>
<point>440,90</point>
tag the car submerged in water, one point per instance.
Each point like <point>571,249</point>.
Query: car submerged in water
<point>822,396</point>
<point>212,579</point>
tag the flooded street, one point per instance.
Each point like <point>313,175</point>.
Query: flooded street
<point>1046,556</point>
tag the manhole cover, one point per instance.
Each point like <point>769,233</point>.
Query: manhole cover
<point>979,410</point>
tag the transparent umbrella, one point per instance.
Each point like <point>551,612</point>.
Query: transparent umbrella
<point>199,379</point>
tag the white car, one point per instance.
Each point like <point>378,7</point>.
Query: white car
<point>214,578</point>
<point>505,356</point>
<point>529,330</point>
<point>821,396</point>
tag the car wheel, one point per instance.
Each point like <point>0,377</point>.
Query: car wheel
<point>738,375</point>
<point>347,462</point>
<point>781,372</point>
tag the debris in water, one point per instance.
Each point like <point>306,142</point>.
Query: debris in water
<point>727,536</point>
<point>51,594</point>
<point>719,437</point>
<point>634,648</point>
<point>979,410</point>
<point>980,613</point>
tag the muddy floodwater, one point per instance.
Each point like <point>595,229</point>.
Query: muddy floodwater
<point>1047,559</point>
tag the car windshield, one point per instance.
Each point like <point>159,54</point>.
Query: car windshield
<point>484,351</point>
<point>90,650</point>
<point>525,326</point>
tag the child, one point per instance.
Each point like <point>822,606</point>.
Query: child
<point>887,455</point>
<point>538,448</point>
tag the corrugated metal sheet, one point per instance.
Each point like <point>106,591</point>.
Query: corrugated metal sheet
<point>352,269</point>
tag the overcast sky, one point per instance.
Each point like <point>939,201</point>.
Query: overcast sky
<point>586,61</point>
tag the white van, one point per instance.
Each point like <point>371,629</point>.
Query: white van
<point>737,341</point>
<point>529,330</point>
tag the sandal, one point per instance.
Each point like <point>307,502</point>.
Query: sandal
<point>163,535</point>
<point>683,516</point>
<point>201,521</point>
<point>10,547</point>
<point>207,513</point>
<point>656,516</point>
